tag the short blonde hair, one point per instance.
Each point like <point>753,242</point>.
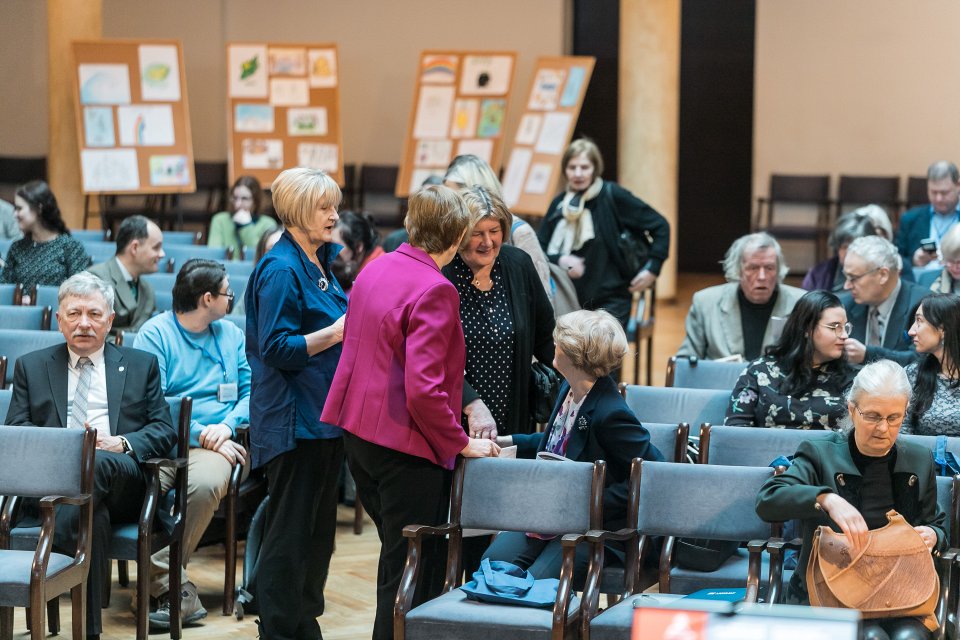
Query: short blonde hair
<point>593,340</point>
<point>587,147</point>
<point>436,219</point>
<point>470,170</point>
<point>299,192</point>
<point>950,244</point>
<point>484,204</point>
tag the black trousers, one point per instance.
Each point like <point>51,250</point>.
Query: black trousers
<point>298,539</point>
<point>118,488</point>
<point>398,489</point>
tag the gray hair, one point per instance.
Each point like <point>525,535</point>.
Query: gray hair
<point>943,169</point>
<point>733,259</point>
<point>879,217</point>
<point>877,251</point>
<point>849,227</point>
<point>880,378</point>
<point>85,284</point>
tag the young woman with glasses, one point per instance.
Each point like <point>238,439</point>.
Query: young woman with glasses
<point>801,381</point>
<point>935,409</point>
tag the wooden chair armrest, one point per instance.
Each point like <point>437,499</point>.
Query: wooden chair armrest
<point>755,549</point>
<point>590,600</point>
<point>8,515</point>
<point>411,569</point>
<point>568,543</point>
<point>775,547</point>
<point>599,536</point>
<point>164,463</point>
<point>947,610</point>
<point>50,502</point>
<point>417,531</point>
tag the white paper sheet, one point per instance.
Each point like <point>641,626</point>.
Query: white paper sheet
<point>98,127</point>
<point>322,65</point>
<point>169,171</point>
<point>516,173</point>
<point>434,111</point>
<point>308,121</point>
<point>104,83</point>
<point>486,75</point>
<point>289,92</point>
<point>159,72</point>
<point>286,61</point>
<point>247,71</point>
<point>465,118</point>
<point>483,149</point>
<point>553,134</point>
<point>433,153</point>
<point>145,125</point>
<point>260,153</point>
<point>546,89</point>
<point>528,129</point>
<point>253,118</point>
<point>109,170</point>
<point>538,181</point>
<point>318,156</point>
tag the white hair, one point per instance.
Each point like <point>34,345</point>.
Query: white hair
<point>878,216</point>
<point>733,259</point>
<point>877,251</point>
<point>85,284</point>
<point>881,378</point>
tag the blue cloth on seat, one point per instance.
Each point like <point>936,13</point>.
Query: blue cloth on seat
<point>502,582</point>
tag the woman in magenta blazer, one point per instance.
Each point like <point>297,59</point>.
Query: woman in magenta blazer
<point>397,390</point>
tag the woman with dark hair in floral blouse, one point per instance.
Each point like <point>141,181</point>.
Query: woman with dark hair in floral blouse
<point>801,381</point>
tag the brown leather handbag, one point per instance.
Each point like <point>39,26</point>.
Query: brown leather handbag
<point>892,577</point>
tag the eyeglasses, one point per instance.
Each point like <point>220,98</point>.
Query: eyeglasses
<point>838,328</point>
<point>875,418</point>
<point>227,294</point>
<point>853,279</point>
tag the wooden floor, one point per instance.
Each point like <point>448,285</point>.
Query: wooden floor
<point>350,590</point>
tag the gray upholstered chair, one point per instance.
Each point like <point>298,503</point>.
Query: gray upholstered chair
<point>670,439</point>
<point>15,343</point>
<point>562,498</point>
<point>56,466</point>
<point>930,442</point>
<point>752,447</point>
<point>45,296</point>
<point>694,373</point>
<point>25,318</point>
<point>164,301</point>
<point>9,294</point>
<point>718,503</point>
<point>5,396</point>
<point>673,405</point>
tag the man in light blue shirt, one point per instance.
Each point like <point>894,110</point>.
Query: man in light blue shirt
<point>204,357</point>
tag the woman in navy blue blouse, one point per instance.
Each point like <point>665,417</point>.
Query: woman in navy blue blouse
<point>295,311</point>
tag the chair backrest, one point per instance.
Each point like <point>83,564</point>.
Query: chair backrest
<point>180,253</point>
<point>917,191</point>
<point>751,446</point>
<point>164,300</point>
<point>930,442</point>
<point>673,405</point>
<point>239,270</point>
<point>670,439</point>
<point>100,250</point>
<point>180,238</point>
<point>799,189</point>
<point>538,496</point>
<point>240,321</point>
<point>15,343</point>
<point>88,235</point>
<point>46,295</point>
<point>161,281</point>
<point>701,501</point>
<point>18,318</point>
<point>41,461</point>
<point>5,396</point>
<point>694,373</point>
<point>9,294</point>
<point>946,490</point>
<point>927,278</point>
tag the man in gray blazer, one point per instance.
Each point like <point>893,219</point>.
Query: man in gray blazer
<point>139,251</point>
<point>880,304</point>
<point>743,316</point>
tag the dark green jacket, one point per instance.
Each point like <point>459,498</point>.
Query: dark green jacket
<point>823,466</point>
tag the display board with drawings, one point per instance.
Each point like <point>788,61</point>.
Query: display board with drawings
<point>133,122</point>
<point>283,109</point>
<point>460,107</point>
<point>533,174</point>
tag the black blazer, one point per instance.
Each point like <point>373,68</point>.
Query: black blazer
<point>136,405</point>
<point>896,344</point>
<point>606,429</point>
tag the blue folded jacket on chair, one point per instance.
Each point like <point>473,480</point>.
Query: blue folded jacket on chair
<point>502,582</point>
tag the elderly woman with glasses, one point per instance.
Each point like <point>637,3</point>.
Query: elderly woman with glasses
<point>800,382</point>
<point>948,280</point>
<point>935,409</point>
<point>849,481</point>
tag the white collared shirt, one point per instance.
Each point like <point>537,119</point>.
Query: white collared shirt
<point>98,415</point>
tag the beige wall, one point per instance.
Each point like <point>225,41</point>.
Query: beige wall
<point>855,86</point>
<point>379,45</point>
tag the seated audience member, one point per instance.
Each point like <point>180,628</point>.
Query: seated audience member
<point>801,381</point>
<point>357,234</point>
<point>203,357</point>
<point>244,225</point>
<point>932,221</point>
<point>880,304</point>
<point>9,229</point>
<point>850,480</point>
<point>47,254</point>
<point>139,251</point>
<point>590,421</point>
<point>948,280</point>
<point>115,390</point>
<point>736,318</point>
<point>828,275</point>
<point>935,377</point>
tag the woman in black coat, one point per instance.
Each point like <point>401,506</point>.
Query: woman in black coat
<point>591,421</point>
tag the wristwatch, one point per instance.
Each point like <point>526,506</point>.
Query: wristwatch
<point>126,445</point>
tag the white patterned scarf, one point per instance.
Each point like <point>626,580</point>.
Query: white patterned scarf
<point>576,227</point>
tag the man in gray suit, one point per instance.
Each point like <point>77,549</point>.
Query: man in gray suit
<point>739,319</point>
<point>139,251</point>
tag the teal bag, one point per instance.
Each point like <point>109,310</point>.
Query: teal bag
<point>501,582</point>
